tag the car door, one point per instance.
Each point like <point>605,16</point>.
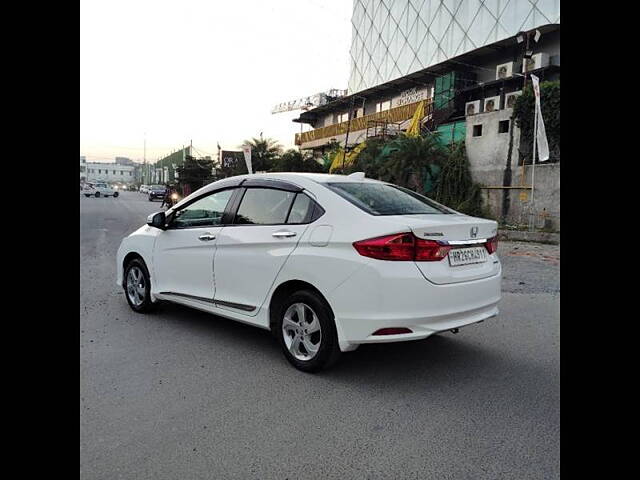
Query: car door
<point>183,254</point>
<point>252,250</point>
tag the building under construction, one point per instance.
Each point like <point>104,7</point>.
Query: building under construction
<point>465,63</point>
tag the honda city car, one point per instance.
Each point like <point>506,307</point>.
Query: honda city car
<point>324,262</point>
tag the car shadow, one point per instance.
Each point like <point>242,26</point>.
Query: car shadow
<point>439,359</point>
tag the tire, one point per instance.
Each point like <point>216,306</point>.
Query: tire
<point>87,195</point>
<point>139,299</point>
<point>150,199</point>
<point>325,340</point>
<point>97,194</point>
<point>115,194</point>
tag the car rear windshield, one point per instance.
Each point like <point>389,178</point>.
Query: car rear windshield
<point>385,199</point>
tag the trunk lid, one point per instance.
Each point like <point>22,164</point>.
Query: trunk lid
<point>452,228</point>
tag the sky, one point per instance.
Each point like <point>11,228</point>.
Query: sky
<point>206,71</point>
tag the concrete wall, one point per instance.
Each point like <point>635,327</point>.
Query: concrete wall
<point>488,161</point>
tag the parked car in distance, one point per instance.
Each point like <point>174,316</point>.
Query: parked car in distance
<point>325,262</point>
<point>143,189</point>
<point>99,189</point>
<point>156,191</point>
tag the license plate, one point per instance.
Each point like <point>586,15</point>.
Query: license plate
<point>467,256</point>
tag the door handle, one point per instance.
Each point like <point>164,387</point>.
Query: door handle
<point>283,234</point>
<point>206,237</point>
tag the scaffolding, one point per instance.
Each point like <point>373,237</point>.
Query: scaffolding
<point>382,129</point>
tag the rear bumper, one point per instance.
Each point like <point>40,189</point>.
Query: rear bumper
<point>399,296</point>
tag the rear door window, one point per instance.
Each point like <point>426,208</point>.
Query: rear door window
<point>264,206</point>
<point>300,209</point>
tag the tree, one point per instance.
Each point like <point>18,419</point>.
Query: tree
<point>295,161</point>
<point>523,112</point>
<point>412,159</point>
<point>264,152</point>
<point>195,172</point>
<point>456,188</point>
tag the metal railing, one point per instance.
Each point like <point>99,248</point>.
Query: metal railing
<point>396,114</point>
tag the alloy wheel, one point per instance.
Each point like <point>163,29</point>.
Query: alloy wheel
<point>136,286</point>
<point>301,331</point>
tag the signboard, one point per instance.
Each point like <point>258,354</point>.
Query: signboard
<point>411,95</point>
<point>231,157</point>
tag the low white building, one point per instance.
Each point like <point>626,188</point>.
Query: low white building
<point>109,172</point>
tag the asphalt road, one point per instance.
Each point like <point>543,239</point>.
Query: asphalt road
<point>181,394</point>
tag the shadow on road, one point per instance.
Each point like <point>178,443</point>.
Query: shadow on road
<point>440,358</point>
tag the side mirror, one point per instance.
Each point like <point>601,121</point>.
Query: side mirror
<point>157,220</point>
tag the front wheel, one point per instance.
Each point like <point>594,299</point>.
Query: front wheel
<point>115,194</point>
<point>87,195</point>
<point>137,286</point>
<point>306,332</point>
<point>97,194</point>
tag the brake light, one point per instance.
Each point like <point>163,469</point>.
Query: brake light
<point>391,247</point>
<point>402,246</point>
<point>492,245</point>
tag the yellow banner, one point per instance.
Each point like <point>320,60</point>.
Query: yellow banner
<point>414,127</point>
<point>340,158</point>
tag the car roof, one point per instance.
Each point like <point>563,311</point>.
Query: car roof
<point>315,177</point>
<point>302,180</point>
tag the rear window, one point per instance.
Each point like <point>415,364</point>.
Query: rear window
<point>385,199</point>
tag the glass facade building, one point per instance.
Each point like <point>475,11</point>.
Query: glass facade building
<point>393,38</point>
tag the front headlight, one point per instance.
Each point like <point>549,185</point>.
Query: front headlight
<point>174,196</point>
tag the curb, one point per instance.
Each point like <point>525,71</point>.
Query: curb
<point>523,236</point>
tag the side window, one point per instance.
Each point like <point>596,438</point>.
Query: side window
<point>300,209</point>
<point>264,206</point>
<point>206,212</point>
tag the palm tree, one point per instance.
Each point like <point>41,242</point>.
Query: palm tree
<point>412,158</point>
<point>264,152</point>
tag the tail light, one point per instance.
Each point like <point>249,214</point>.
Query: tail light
<point>492,245</point>
<point>402,246</point>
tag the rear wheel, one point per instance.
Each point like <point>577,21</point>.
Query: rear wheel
<point>306,331</point>
<point>115,194</point>
<point>97,194</point>
<point>87,195</point>
<point>137,286</point>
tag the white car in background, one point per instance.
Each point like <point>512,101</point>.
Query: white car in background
<point>325,262</point>
<point>144,189</point>
<point>99,189</point>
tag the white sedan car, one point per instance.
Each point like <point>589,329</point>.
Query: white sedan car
<point>325,262</point>
<point>99,190</point>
